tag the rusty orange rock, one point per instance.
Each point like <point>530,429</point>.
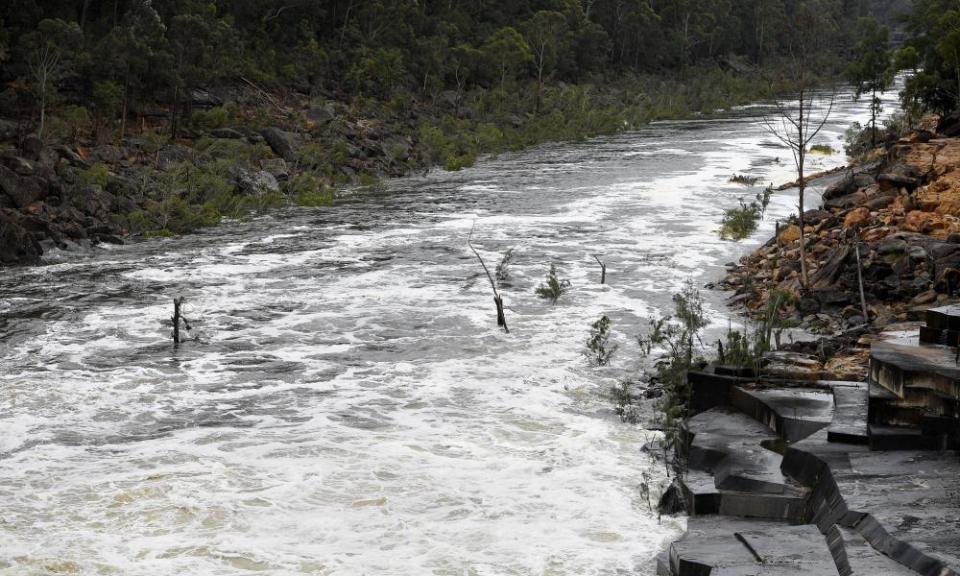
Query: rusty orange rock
<point>857,218</point>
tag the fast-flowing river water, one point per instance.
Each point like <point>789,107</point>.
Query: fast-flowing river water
<point>351,407</point>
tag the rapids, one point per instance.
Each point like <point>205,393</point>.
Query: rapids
<point>350,407</point>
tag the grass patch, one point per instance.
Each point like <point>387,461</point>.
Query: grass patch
<point>744,179</point>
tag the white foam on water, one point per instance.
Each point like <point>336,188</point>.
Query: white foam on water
<point>351,407</point>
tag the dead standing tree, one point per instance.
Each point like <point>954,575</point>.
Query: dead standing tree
<point>497,300</point>
<point>176,319</point>
<point>603,269</point>
<point>796,126</point>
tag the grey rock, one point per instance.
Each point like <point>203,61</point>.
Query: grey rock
<point>284,144</point>
<point>892,246</point>
<point>277,167</point>
<point>256,183</point>
<point>17,246</point>
<point>22,190</point>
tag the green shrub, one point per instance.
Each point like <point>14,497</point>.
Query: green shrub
<point>308,190</point>
<point>744,179</point>
<point>554,287</point>
<point>677,338</point>
<point>739,223</point>
<point>597,344</point>
<point>822,149</point>
<point>204,120</point>
<point>97,174</point>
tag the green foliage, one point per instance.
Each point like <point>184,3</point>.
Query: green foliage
<point>97,174</point>
<point>625,405</point>
<point>857,140</point>
<point>872,71</point>
<point>744,179</point>
<point>206,120</point>
<point>677,339</point>
<point>553,288</point>
<point>823,149</point>
<point>308,190</point>
<point>503,269</point>
<point>597,345</point>
<point>739,223</point>
<point>761,334</point>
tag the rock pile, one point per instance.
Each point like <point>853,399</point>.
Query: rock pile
<point>904,215</point>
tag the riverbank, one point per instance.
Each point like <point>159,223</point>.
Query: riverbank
<point>839,456</point>
<point>244,151</point>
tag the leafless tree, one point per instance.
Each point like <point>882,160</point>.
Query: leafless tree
<point>44,65</point>
<point>796,124</point>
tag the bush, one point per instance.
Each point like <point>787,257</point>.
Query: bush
<point>308,190</point>
<point>554,288</point>
<point>739,223</point>
<point>97,174</point>
<point>211,119</point>
<point>597,343</point>
<point>677,336</point>
<point>822,149</point>
<point>744,179</point>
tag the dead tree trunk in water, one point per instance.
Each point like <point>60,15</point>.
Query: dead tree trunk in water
<point>177,319</point>
<point>603,269</point>
<point>497,300</point>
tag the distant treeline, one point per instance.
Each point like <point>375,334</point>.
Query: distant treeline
<point>117,52</point>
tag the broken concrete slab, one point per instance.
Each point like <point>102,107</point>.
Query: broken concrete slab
<point>851,407</point>
<point>793,413</point>
<point>854,556</point>
<point>721,546</point>
<point>906,505</point>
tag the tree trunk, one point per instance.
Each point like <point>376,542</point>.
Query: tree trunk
<point>540,64</point>
<point>801,156</point>
<point>173,111</point>
<point>43,105</point>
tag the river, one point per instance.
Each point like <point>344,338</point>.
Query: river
<point>351,407</point>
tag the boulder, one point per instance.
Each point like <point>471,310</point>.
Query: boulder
<point>789,234</point>
<point>881,200</point>
<point>17,245</point>
<point>277,167</point>
<point>857,218</point>
<point>893,181</point>
<point>322,114</point>
<point>32,147</point>
<point>892,246</point>
<point>21,190</point>
<point>848,201</point>
<point>841,187</point>
<point>284,144</point>
<point>256,183</point>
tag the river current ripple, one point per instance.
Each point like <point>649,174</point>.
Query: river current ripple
<point>351,407</point>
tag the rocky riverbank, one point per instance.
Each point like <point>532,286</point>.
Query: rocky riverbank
<point>84,192</point>
<point>892,223</point>
<point>841,460</point>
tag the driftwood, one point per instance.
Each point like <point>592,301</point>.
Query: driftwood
<point>603,269</point>
<point>497,300</point>
<point>808,178</point>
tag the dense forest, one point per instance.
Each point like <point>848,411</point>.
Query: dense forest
<point>115,54</point>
